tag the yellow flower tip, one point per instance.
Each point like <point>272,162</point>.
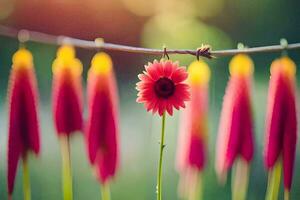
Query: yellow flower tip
<point>66,52</point>
<point>285,65</point>
<point>199,73</point>
<point>289,67</point>
<point>77,67</point>
<point>22,58</point>
<point>66,60</point>
<point>101,63</point>
<point>241,65</point>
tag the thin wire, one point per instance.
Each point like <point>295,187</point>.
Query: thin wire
<point>203,51</point>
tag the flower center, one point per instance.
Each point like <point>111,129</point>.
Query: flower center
<point>164,88</point>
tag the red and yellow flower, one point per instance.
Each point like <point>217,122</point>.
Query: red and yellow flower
<point>235,142</point>
<point>192,141</point>
<point>235,136</point>
<point>102,125</point>
<point>67,91</point>
<point>23,132</point>
<point>281,119</point>
<point>67,107</point>
<point>193,126</point>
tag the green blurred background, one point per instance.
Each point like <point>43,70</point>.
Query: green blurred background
<point>175,23</point>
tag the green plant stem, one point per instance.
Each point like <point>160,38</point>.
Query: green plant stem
<point>162,146</point>
<point>105,191</point>
<point>195,186</point>
<point>26,179</point>
<point>240,179</point>
<point>286,194</point>
<point>274,181</point>
<point>66,168</point>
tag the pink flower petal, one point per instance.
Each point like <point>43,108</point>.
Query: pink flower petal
<point>179,75</point>
<point>235,130</point>
<point>102,125</point>
<point>157,92</point>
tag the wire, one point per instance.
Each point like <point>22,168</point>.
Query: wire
<point>204,51</point>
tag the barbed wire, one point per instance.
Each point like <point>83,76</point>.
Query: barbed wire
<point>203,51</point>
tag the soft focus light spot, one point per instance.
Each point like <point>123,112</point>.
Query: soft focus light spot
<point>176,31</point>
<point>208,8</point>
<point>242,65</point>
<point>6,8</point>
<point>184,8</point>
<point>151,8</point>
<point>199,73</point>
<point>252,9</point>
<point>22,58</point>
<point>101,63</point>
<point>141,7</point>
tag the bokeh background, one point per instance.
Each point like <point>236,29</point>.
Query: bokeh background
<point>148,23</point>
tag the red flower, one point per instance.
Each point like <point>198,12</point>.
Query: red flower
<point>67,91</point>
<point>102,126</point>
<point>162,87</point>
<point>23,120</point>
<point>235,136</point>
<point>192,141</point>
<point>193,126</point>
<point>281,119</point>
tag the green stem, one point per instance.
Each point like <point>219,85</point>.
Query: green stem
<point>105,191</point>
<point>274,181</point>
<point>199,193</point>
<point>195,186</point>
<point>240,178</point>
<point>26,179</point>
<point>162,146</point>
<point>66,168</point>
<point>286,194</point>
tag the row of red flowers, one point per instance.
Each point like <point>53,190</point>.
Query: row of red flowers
<point>161,90</point>
<point>101,129</point>
<point>164,85</point>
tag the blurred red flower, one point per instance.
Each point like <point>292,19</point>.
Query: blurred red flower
<point>281,118</point>
<point>193,121</point>
<point>102,126</point>
<point>24,134</point>
<point>192,140</point>
<point>235,136</point>
<point>67,91</point>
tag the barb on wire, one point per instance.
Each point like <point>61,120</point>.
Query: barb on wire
<point>204,51</point>
<point>165,54</point>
